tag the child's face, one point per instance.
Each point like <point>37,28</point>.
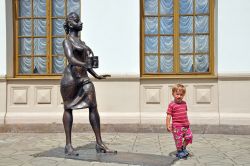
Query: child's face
<point>178,96</point>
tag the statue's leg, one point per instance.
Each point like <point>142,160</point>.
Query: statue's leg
<point>94,119</point>
<point>67,123</point>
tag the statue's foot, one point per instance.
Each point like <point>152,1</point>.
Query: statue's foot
<point>70,151</point>
<point>101,148</point>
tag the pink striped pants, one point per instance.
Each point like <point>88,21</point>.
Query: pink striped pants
<point>181,134</point>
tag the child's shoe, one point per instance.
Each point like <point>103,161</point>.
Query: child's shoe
<point>185,151</point>
<point>181,155</point>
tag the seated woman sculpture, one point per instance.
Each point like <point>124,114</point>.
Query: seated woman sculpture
<point>77,90</point>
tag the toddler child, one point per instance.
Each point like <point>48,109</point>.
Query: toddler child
<point>177,110</point>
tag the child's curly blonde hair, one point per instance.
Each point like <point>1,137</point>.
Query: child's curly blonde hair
<point>179,87</point>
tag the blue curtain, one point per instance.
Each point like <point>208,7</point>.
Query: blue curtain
<point>166,7</point>
<point>73,6</point>
<point>202,63</point>
<point>39,8</point>
<point>151,7</point>
<point>166,63</point>
<point>40,27</point>
<point>25,65</point>
<point>186,63</point>
<point>186,6</point>
<point>25,8</point>
<point>58,8</point>
<point>151,63</point>
<point>58,63</point>
<point>202,6</point>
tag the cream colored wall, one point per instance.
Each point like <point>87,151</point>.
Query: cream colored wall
<point>3,99</point>
<point>39,101</point>
<point>33,101</point>
<point>222,101</point>
<point>118,100</point>
<point>201,97</point>
<point>128,99</point>
<point>234,99</point>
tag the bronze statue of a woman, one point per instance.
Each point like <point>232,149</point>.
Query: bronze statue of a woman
<point>77,90</point>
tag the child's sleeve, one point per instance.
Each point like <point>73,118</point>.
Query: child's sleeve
<point>170,109</point>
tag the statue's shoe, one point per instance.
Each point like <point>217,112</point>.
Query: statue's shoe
<point>103,149</point>
<point>70,151</point>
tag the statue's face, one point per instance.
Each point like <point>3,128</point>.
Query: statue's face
<point>75,23</point>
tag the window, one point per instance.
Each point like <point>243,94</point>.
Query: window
<point>177,38</point>
<point>39,34</point>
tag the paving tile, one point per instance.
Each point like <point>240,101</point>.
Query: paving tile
<point>8,161</point>
<point>242,159</point>
<point>224,162</point>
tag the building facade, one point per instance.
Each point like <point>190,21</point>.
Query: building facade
<point>129,37</point>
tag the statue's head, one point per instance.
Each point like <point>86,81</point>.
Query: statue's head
<point>72,22</point>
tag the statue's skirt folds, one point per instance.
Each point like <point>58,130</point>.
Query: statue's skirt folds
<point>76,92</point>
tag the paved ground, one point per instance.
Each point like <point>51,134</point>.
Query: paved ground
<point>210,149</point>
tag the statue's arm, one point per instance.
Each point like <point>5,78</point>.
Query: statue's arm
<point>94,74</point>
<point>68,51</point>
<point>89,50</point>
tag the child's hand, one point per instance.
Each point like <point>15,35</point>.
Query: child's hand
<point>169,128</point>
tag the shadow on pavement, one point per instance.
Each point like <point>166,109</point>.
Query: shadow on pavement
<point>88,153</point>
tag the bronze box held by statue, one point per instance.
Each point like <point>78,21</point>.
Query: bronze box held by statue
<point>94,61</point>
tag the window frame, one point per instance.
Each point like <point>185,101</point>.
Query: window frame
<point>49,38</point>
<point>176,36</point>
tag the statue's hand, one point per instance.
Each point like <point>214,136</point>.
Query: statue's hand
<point>104,76</point>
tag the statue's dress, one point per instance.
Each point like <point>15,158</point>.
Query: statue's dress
<point>77,90</point>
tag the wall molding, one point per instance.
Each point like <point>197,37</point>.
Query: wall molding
<point>135,77</point>
<point>234,76</point>
<point>3,78</point>
<point>114,77</point>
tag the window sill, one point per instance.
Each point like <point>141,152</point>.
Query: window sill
<point>145,77</point>
<point>35,78</point>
